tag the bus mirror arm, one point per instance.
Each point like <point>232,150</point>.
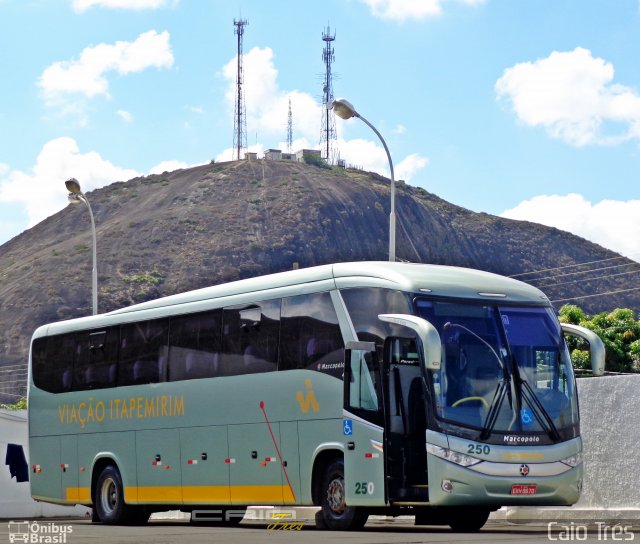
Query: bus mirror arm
<point>426,332</point>
<point>596,347</point>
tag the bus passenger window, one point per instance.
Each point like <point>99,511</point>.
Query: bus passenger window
<point>194,346</point>
<point>143,352</point>
<point>96,358</point>
<point>250,336</point>
<point>310,336</point>
<point>52,360</point>
<point>364,386</point>
<point>366,303</point>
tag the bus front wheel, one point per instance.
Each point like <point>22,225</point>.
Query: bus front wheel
<point>336,515</point>
<point>109,500</point>
<point>468,520</point>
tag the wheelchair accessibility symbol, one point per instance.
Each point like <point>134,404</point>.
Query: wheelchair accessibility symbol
<point>526,416</point>
<point>347,427</point>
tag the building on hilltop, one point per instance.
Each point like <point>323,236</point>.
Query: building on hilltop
<point>303,153</point>
<point>273,154</point>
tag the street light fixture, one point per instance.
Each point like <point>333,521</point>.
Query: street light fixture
<point>75,196</point>
<point>345,110</point>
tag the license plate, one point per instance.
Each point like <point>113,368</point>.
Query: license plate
<point>524,489</point>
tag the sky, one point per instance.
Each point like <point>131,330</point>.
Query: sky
<point>527,109</point>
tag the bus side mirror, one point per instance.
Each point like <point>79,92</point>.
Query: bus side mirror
<point>596,347</point>
<point>426,332</point>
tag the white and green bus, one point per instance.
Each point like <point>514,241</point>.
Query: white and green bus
<point>362,388</point>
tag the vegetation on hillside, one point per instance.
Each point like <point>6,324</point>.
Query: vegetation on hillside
<point>619,331</point>
<point>19,405</point>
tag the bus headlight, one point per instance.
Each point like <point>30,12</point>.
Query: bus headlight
<point>453,456</point>
<point>573,461</point>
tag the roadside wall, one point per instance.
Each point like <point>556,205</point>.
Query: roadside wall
<point>15,498</point>
<point>610,425</point>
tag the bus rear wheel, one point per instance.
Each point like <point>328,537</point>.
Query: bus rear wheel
<point>109,504</point>
<point>336,515</point>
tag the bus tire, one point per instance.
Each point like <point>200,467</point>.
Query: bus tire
<point>109,499</point>
<point>468,520</point>
<point>336,515</point>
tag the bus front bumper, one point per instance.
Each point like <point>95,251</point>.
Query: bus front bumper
<point>454,485</point>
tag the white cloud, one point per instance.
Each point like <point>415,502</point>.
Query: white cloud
<point>610,223</point>
<point>41,191</point>
<point>572,95</point>
<point>86,76</point>
<point>228,154</point>
<point>82,5</point>
<point>410,165</point>
<point>402,10</point>
<point>4,168</point>
<point>125,116</point>
<point>372,157</point>
<point>170,166</point>
<point>399,129</point>
<point>266,104</point>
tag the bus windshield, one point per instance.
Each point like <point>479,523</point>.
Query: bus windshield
<point>504,370</point>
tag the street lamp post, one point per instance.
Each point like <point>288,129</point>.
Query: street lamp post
<point>345,110</point>
<point>75,196</point>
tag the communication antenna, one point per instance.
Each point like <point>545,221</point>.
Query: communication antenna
<point>239,118</point>
<point>328,138</point>
<point>289,129</point>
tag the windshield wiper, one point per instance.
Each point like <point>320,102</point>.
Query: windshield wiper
<point>496,403</point>
<point>539,411</point>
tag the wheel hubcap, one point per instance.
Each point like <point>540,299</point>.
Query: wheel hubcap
<point>108,496</point>
<point>335,496</point>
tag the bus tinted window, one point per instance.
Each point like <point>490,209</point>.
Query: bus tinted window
<point>52,359</point>
<point>366,303</point>
<point>195,346</point>
<point>310,337</point>
<point>143,352</point>
<point>250,338</point>
<point>96,359</point>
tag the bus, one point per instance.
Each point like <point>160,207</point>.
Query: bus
<point>361,388</point>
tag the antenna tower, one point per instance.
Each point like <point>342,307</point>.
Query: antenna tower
<point>289,129</point>
<point>328,137</point>
<point>239,118</point>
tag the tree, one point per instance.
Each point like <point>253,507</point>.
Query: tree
<point>618,330</point>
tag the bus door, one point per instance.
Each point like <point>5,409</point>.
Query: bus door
<point>363,426</point>
<point>405,421</point>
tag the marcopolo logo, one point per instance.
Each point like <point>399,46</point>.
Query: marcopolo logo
<point>38,533</point>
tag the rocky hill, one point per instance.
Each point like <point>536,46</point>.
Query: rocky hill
<point>168,233</point>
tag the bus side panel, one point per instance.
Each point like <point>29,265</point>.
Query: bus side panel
<point>256,476</point>
<point>70,469</point>
<point>364,466</point>
<point>119,447</point>
<point>316,436</point>
<point>205,470</point>
<point>158,464</point>
<point>291,458</point>
<point>46,479</point>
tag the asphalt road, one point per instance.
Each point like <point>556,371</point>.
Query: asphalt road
<point>377,531</point>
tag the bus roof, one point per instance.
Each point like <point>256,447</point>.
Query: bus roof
<point>434,280</point>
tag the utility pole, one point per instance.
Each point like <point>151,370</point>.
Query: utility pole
<point>289,129</point>
<point>239,118</point>
<point>328,137</point>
